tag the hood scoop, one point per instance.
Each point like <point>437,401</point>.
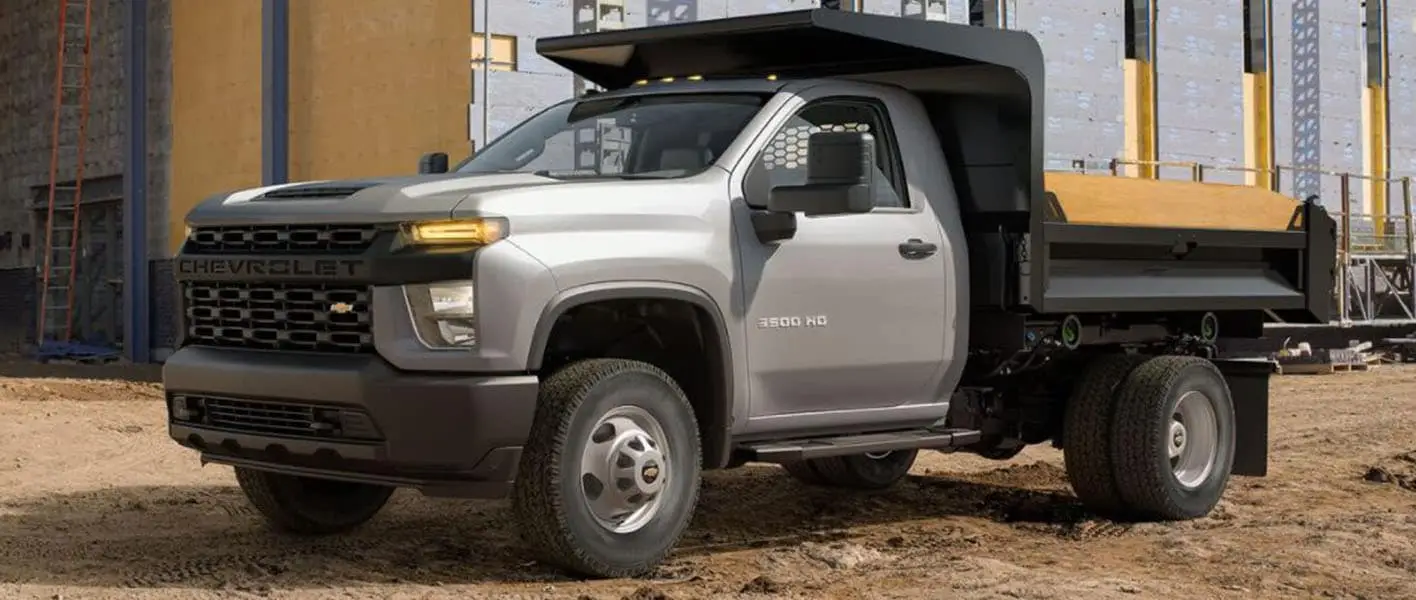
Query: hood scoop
<point>316,191</point>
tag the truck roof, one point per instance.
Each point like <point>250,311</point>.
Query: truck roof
<point>804,43</point>
<point>923,56</point>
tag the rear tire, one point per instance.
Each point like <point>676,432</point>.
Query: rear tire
<point>309,505</point>
<point>1173,438</point>
<point>609,478</point>
<point>857,471</point>
<point>1086,431</point>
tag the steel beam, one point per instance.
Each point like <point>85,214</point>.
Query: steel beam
<point>1376,147</point>
<point>1306,79</point>
<point>137,327</point>
<point>275,92</point>
<point>989,13</point>
<point>1259,157</point>
<point>1142,131</point>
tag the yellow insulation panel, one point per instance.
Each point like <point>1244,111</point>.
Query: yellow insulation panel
<point>1128,201</point>
<point>216,103</point>
<point>376,83</point>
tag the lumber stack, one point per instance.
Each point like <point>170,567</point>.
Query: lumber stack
<point>1304,360</point>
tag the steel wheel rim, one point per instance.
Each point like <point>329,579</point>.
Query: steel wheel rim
<point>624,469</point>
<point>879,455</point>
<point>1192,440</point>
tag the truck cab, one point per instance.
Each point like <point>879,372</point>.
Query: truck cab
<point>828,262</point>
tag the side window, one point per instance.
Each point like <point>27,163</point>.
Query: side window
<point>784,158</point>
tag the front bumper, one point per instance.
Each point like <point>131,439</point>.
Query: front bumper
<point>353,418</point>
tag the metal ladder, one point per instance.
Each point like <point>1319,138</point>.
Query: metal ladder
<point>70,133</point>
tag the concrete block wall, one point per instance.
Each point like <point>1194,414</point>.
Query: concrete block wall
<point>1402,92</point>
<point>1402,89</point>
<point>28,53</point>
<point>1199,81</point>
<point>1085,82</point>
<point>28,39</point>
<point>1343,77</point>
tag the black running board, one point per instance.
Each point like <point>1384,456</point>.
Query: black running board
<point>801,449</point>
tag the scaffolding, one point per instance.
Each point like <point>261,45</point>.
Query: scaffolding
<point>1376,253</point>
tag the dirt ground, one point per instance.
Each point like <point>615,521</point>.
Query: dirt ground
<point>96,502</point>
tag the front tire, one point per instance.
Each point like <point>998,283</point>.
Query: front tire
<point>309,505</point>
<point>1173,438</point>
<point>609,479</point>
<point>857,471</point>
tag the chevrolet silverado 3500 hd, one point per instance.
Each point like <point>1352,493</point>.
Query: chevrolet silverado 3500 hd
<point>819,239</point>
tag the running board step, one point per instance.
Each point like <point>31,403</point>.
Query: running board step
<point>802,449</point>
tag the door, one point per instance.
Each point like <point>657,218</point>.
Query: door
<point>849,313</point>
<point>98,293</point>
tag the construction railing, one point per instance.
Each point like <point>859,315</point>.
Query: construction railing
<point>1376,251</point>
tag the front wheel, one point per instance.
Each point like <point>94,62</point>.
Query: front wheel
<point>1173,438</point>
<point>869,471</point>
<point>309,505</point>
<point>610,476</point>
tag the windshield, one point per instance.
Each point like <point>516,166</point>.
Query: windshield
<point>652,137</point>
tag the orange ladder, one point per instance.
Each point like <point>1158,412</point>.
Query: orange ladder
<point>70,133</point>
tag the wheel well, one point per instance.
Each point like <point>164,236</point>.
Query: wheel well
<point>678,336</point>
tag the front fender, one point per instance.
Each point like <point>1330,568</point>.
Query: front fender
<point>722,411</point>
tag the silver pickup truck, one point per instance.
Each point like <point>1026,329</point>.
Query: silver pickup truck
<point>818,239</point>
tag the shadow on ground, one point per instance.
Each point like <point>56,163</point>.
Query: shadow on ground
<point>20,367</point>
<point>143,537</point>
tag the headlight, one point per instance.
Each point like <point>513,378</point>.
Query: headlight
<point>457,232</point>
<point>444,314</point>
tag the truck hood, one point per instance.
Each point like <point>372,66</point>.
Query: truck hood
<point>361,200</point>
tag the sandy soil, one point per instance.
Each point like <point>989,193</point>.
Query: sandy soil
<point>95,502</point>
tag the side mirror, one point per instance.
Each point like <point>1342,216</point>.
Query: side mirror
<point>839,167</point>
<point>432,162</point>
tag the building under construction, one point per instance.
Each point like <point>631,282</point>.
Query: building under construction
<point>120,115</point>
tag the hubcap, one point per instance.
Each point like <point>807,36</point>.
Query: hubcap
<point>1193,440</point>
<point>624,469</point>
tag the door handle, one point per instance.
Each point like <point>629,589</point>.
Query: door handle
<point>915,249</point>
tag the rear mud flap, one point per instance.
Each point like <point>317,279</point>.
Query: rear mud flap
<point>1248,381</point>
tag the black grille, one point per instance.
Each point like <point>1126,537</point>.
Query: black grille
<point>319,318</point>
<point>274,418</point>
<point>282,239</point>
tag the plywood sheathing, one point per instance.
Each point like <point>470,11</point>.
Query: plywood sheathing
<point>1109,200</point>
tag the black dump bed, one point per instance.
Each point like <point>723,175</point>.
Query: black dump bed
<point>984,89</point>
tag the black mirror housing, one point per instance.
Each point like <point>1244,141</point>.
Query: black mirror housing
<point>839,168</point>
<point>432,162</point>
<point>820,199</point>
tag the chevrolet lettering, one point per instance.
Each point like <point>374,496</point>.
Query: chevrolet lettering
<point>830,265</point>
<point>268,267</point>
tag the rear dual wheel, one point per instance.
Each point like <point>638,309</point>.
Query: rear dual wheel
<point>1150,438</point>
